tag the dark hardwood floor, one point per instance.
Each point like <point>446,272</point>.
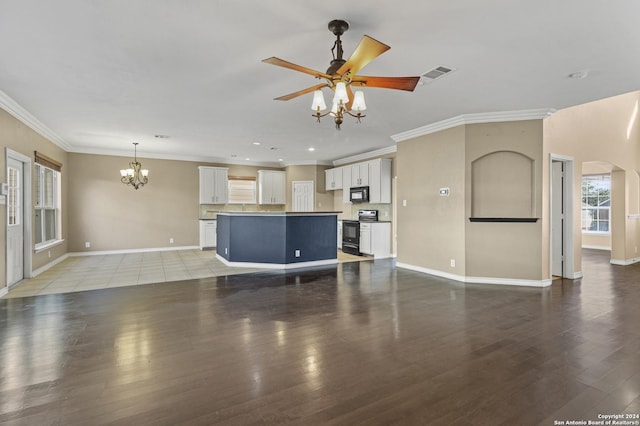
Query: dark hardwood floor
<point>357,343</point>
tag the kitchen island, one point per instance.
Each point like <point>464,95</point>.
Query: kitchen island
<point>277,239</point>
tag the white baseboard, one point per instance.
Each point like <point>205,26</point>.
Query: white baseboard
<point>575,276</point>
<point>126,251</point>
<point>477,280</point>
<point>625,262</point>
<point>277,265</point>
<point>62,258</point>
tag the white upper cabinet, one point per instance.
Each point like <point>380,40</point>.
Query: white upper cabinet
<point>376,174</point>
<point>380,181</point>
<point>213,185</point>
<point>333,179</point>
<point>272,187</point>
<point>360,174</point>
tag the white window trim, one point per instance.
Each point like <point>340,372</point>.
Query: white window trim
<point>39,247</point>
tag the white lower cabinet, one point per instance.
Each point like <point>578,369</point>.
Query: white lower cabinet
<point>375,239</point>
<point>208,234</point>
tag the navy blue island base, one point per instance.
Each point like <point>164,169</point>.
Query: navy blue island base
<point>277,239</point>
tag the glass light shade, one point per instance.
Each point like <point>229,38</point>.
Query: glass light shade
<point>318,101</point>
<point>144,172</point>
<point>123,173</point>
<point>358,101</point>
<point>130,172</point>
<point>341,93</point>
<point>334,109</point>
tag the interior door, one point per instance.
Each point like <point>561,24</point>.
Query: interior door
<point>15,227</point>
<point>302,196</point>
<point>557,218</point>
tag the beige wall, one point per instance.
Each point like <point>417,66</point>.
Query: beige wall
<point>431,228</point>
<point>604,132</point>
<point>506,250</point>
<point>113,216</point>
<point>20,138</point>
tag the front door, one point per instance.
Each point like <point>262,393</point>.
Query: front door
<point>15,226</point>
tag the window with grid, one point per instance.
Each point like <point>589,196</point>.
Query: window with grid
<point>47,205</point>
<point>596,203</point>
<point>242,190</point>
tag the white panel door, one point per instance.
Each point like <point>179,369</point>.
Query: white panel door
<point>557,218</point>
<point>15,227</point>
<point>302,196</point>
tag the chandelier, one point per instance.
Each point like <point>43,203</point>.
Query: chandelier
<point>340,104</point>
<point>135,175</point>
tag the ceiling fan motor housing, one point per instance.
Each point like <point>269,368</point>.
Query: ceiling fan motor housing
<point>338,27</point>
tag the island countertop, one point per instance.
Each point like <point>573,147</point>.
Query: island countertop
<point>276,213</point>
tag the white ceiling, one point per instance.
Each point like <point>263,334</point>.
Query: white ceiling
<point>103,74</point>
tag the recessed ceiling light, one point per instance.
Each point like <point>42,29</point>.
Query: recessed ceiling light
<point>247,158</point>
<point>578,75</point>
<point>280,159</point>
<point>256,143</point>
<point>312,149</point>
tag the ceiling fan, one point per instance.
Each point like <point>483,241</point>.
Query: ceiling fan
<point>342,74</point>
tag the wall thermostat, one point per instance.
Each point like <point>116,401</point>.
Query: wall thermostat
<point>444,192</point>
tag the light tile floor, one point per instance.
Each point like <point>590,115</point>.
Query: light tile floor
<point>79,273</point>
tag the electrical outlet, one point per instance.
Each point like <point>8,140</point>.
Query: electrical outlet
<point>226,250</point>
<point>87,244</point>
<point>453,263</point>
<point>170,240</point>
<point>297,253</point>
<point>49,253</point>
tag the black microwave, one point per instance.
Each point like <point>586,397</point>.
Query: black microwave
<point>359,194</point>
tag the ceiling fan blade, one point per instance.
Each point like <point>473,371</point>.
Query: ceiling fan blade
<point>398,83</point>
<point>368,49</point>
<point>301,92</point>
<point>285,64</point>
<point>350,95</point>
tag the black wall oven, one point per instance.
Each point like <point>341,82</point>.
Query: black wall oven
<point>351,236</point>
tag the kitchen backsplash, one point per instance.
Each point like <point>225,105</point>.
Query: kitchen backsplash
<point>384,210</point>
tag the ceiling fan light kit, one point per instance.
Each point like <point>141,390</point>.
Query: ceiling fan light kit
<point>342,74</point>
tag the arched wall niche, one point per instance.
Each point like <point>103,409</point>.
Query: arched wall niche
<point>503,186</point>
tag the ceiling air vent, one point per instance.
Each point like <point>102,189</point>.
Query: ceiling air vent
<point>436,73</point>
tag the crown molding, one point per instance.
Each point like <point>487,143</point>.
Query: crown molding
<point>198,158</point>
<point>483,117</point>
<point>366,155</point>
<point>158,156</point>
<point>305,163</point>
<point>12,107</point>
